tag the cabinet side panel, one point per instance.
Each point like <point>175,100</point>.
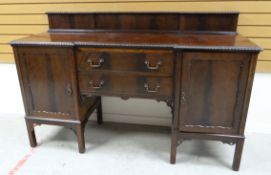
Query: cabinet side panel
<point>21,79</point>
<point>250,78</point>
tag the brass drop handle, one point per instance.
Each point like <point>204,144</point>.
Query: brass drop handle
<point>68,90</point>
<point>98,64</point>
<point>99,86</point>
<point>154,90</point>
<point>183,98</point>
<point>147,62</point>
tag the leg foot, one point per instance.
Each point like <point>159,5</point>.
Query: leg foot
<point>80,138</point>
<point>31,133</point>
<point>238,154</point>
<point>173,148</point>
<point>100,113</point>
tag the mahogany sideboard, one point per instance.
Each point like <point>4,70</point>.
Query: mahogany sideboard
<point>195,62</point>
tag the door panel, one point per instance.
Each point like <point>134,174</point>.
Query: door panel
<point>212,91</point>
<point>47,80</point>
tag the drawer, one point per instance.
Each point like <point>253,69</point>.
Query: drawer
<point>159,62</point>
<point>126,85</point>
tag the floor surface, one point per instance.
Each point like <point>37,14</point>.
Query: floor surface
<point>118,149</point>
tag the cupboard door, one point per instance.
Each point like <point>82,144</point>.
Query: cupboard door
<point>212,91</point>
<point>47,79</point>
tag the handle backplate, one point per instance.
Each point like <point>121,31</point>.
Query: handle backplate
<point>98,86</point>
<point>152,90</point>
<point>94,64</point>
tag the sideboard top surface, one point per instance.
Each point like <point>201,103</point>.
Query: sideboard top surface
<point>174,40</point>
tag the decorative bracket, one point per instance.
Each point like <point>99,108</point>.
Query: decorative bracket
<point>169,103</point>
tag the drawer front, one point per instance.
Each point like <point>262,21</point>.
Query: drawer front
<point>129,60</point>
<point>125,85</point>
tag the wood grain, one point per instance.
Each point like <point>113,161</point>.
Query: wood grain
<point>208,92</point>
<point>27,16</point>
